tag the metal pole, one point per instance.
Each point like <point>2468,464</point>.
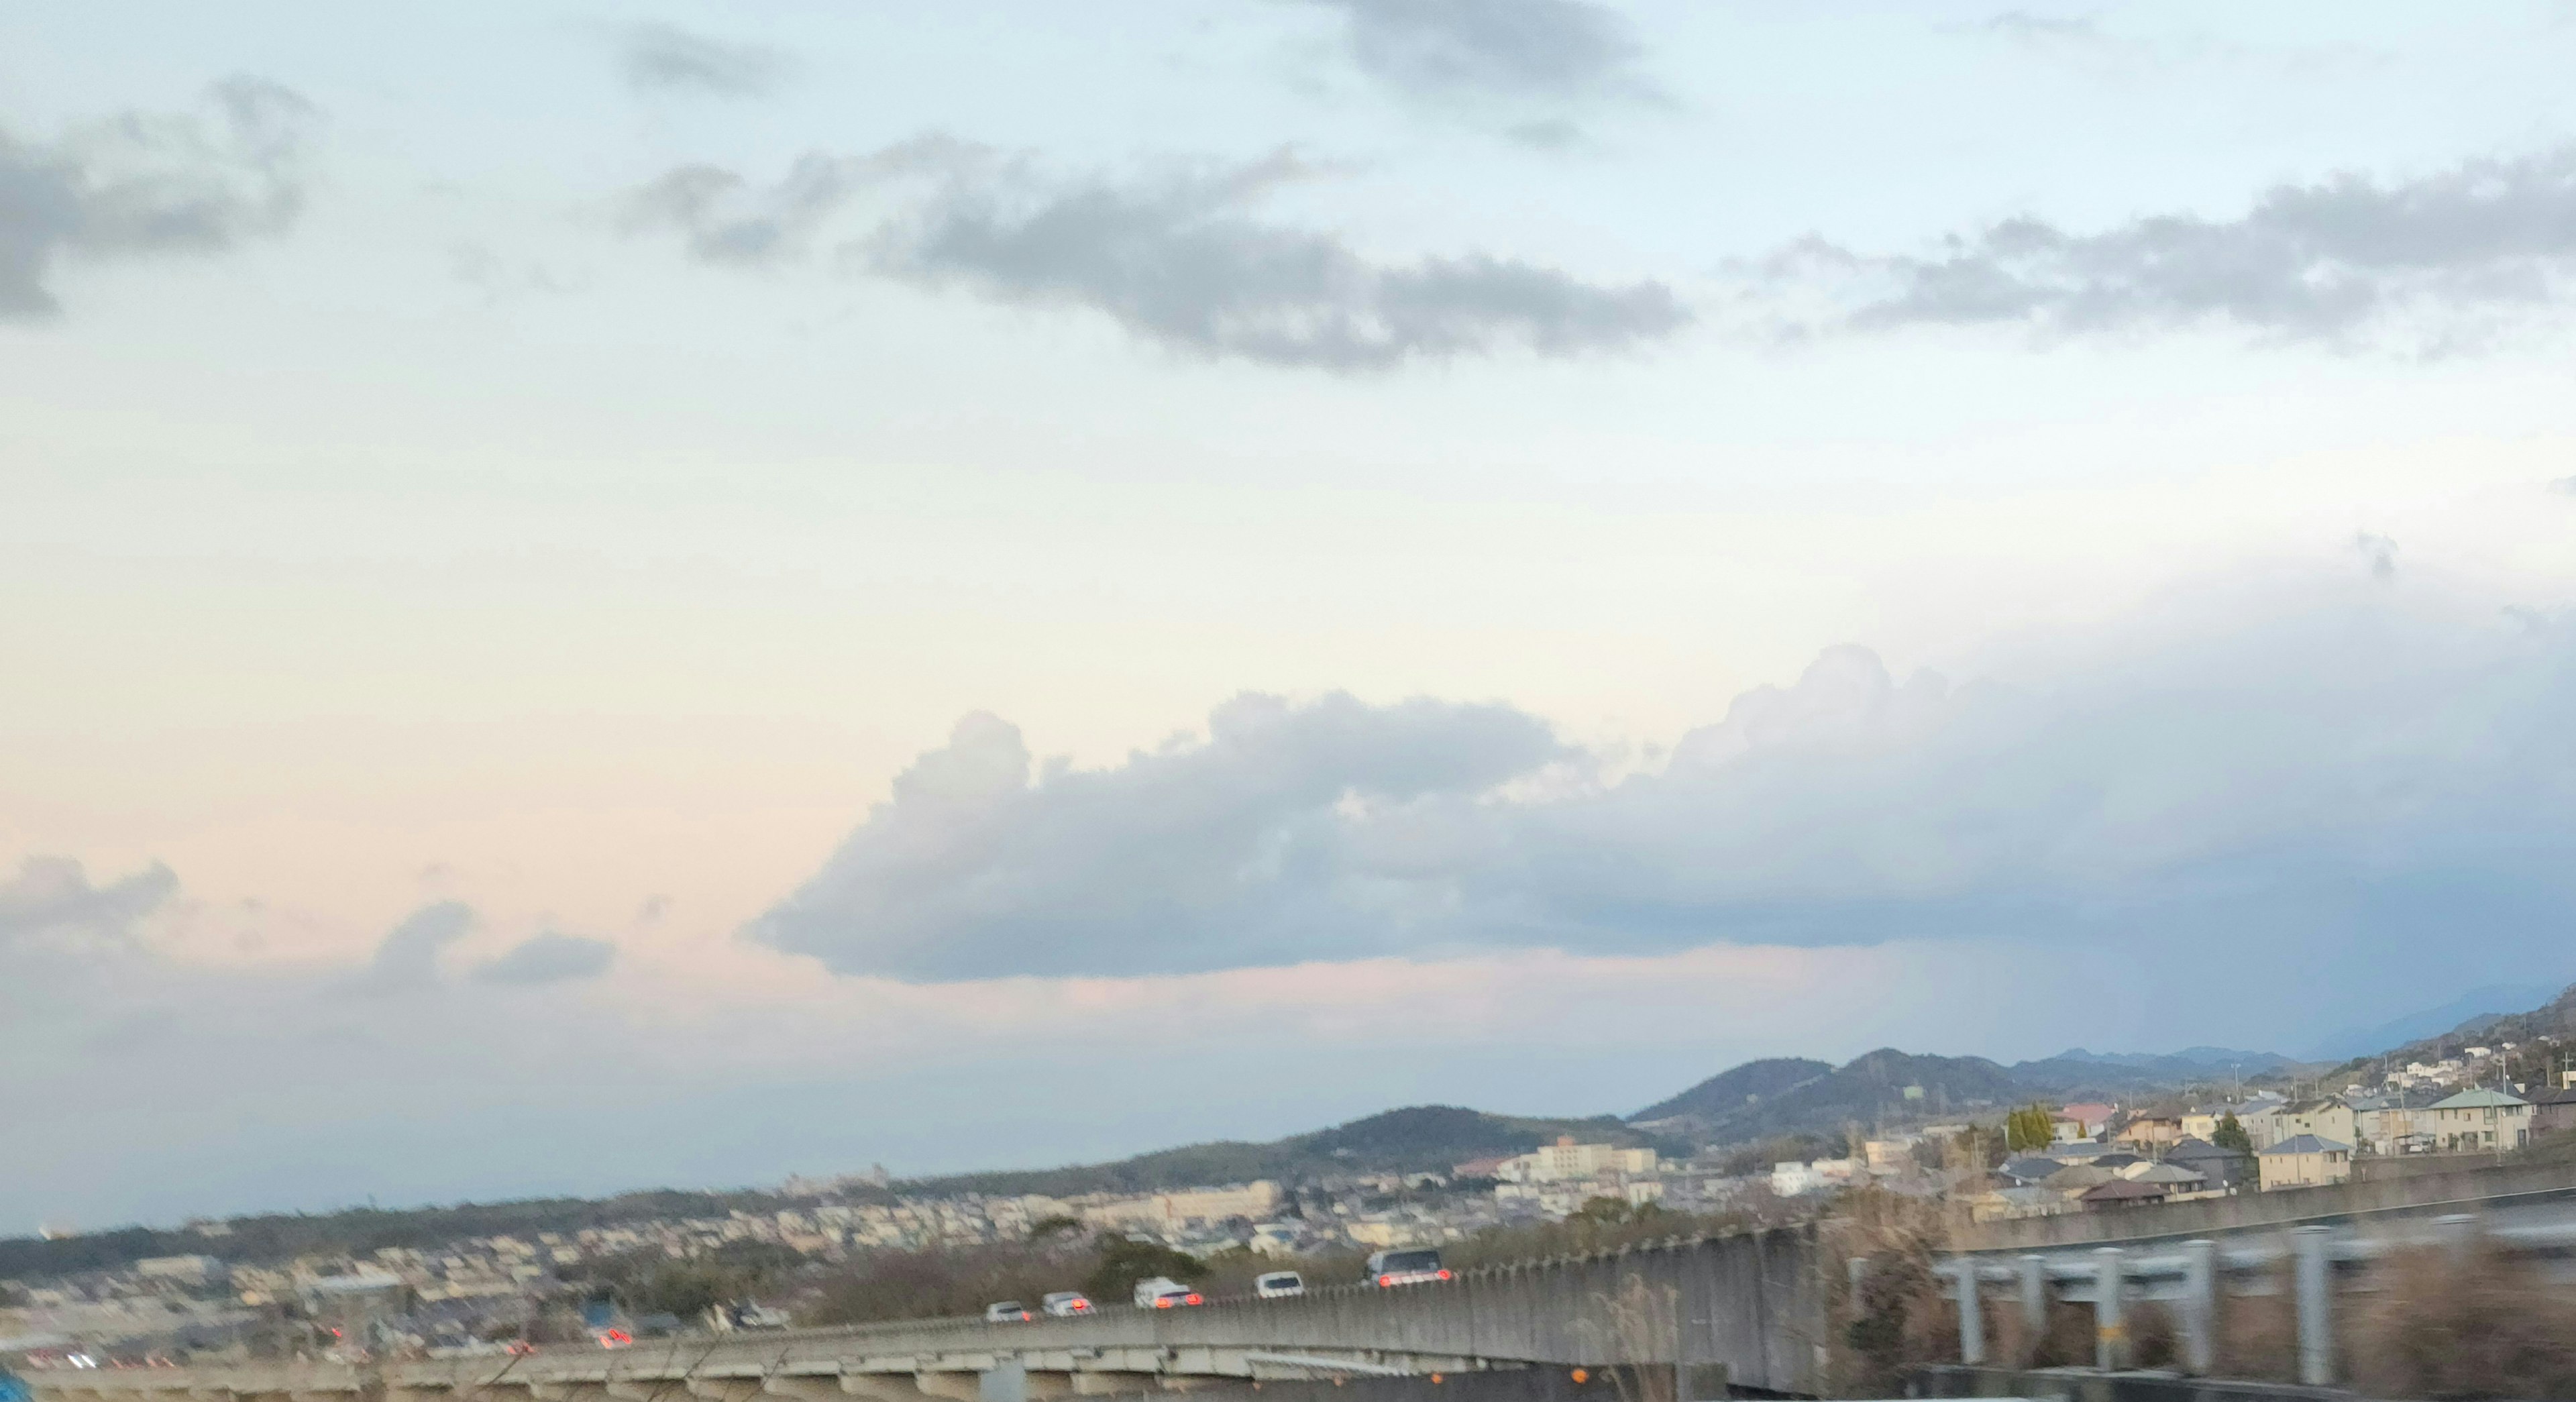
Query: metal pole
<point>2034,1303</point>
<point>2199,1306</point>
<point>1972,1320</point>
<point>2110,1328</point>
<point>2314,1277</point>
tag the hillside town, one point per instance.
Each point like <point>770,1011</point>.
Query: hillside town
<point>479,1292</point>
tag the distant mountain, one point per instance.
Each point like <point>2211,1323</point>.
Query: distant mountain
<point>1808,1097</point>
<point>2494,1000</point>
<point>1416,1139</point>
<point>2192,1058</point>
<point>2075,1071</point>
<point>1730,1091</point>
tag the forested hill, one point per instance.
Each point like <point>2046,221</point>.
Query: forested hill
<point>1420,1138</point>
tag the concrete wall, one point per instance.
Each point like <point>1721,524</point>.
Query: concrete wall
<point>1748,1304</point>
<point>2427,1194</point>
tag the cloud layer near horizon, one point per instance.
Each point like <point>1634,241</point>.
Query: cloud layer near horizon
<point>2359,770</point>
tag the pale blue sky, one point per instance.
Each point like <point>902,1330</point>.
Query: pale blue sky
<point>536,477</point>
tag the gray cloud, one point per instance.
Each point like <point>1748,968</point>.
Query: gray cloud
<point>2435,263</point>
<point>549,958</point>
<point>407,957</point>
<point>52,898</point>
<point>1180,260</point>
<point>657,57</point>
<point>1511,48</point>
<point>2378,554</point>
<point>141,184</point>
<point>1199,856</point>
<point>2360,772</point>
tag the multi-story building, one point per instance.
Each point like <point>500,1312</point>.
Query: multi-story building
<point>2480,1119</point>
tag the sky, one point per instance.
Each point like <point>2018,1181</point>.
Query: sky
<point>595,597</point>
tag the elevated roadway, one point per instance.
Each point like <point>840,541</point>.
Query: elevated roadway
<point>1744,1307</point>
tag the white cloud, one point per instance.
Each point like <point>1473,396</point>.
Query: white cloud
<point>2370,768</point>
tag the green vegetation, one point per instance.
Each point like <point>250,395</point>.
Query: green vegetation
<point>2029,1128</point>
<point>652,1282</point>
<point>2231,1135</point>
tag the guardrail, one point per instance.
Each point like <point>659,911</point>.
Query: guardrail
<point>2195,1277</point>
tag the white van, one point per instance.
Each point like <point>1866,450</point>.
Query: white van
<point>1161,1292</point>
<point>1278,1285</point>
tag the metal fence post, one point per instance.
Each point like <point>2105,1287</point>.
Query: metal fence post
<point>1972,1320</point>
<point>2034,1303</point>
<point>2110,1326</point>
<point>2313,1276</point>
<point>2199,1306</point>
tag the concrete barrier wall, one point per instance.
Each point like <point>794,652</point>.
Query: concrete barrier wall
<point>1747,1304</point>
<point>2427,1194</point>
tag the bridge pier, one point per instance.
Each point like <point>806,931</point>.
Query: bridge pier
<point>956,1387</point>
<point>883,1387</point>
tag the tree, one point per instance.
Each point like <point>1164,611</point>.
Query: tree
<point>2231,1135</point>
<point>2029,1128</point>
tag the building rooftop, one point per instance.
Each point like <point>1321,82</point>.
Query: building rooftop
<point>2479,1098</point>
<point>2307,1144</point>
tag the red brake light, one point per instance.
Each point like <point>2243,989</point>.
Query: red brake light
<point>1386,1280</point>
<point>1444,1274</point>
<point>1194,1299</point>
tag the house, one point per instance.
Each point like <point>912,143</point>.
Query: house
<point>2119,1162</point>
<point>2329,1117</point>
<point>2398,1121</point>
<point>2221,1168</point>
<point>2120,1192</point>
<point>2479,1120</point>
<point>1565,1161</point>
<point>2261,1117</point>
<point>2028,1170</point>
<point>2084,1121</point>
<point>2074,1182</point>
<point>2303,1161</point>
<point>2552,1111</point>
<point>2008,1204</point>
<point>2149,1134</point>
<point>2177,1181</point>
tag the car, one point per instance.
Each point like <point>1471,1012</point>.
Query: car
<point>1064,1304</point>
<point>1006,1312</point>
<point>1278,1285</point>
<point>1156,1292</point>
<point>1421,1266</point>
